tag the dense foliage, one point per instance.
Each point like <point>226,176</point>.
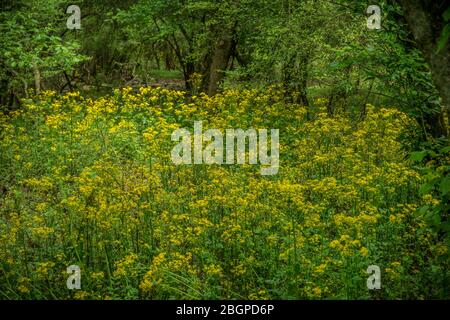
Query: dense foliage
<point>87,179</point>
<point>91,181</point>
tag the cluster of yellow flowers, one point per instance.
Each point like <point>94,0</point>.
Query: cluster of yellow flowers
<point>90,182</point>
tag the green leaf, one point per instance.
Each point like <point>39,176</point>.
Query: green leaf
<point>433,219</point>
<point>418,156</point>
<point>446,14</point>
<point>444,37</point>
<point>423,210</point>
<point>425,188</point>
<point>445,150</point>
<point>446,226</point>
<point>444,186</point>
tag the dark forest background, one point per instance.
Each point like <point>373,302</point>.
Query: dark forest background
<point>312,48</point>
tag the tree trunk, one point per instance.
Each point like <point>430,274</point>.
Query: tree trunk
<point>295,79</point>
<point>168,58</point>
<point>155,52</point>
<point>188,71</point>
<point>37,79</point>
<point>424,18</point>
<point>219,62</point>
